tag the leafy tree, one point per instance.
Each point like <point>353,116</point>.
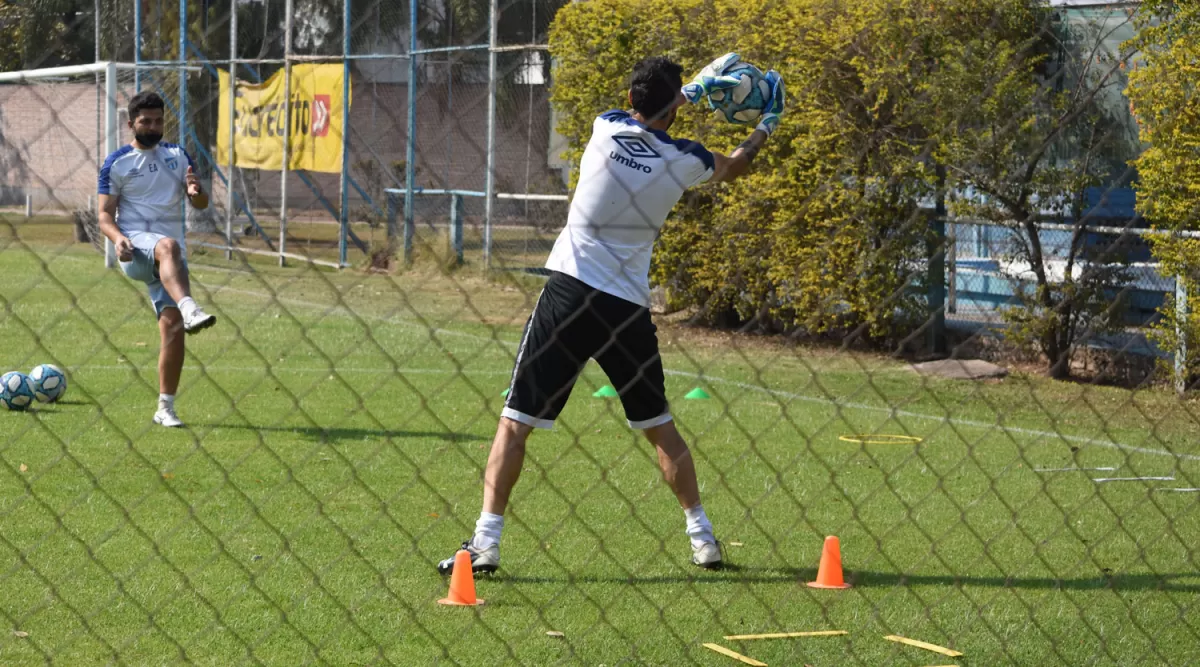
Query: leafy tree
<point>1165,94</point>
<point>10,36</point>
<point>1040,135</point>
<point>46,33</point>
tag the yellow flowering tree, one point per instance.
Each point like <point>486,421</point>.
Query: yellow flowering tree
<point>1165,93</point>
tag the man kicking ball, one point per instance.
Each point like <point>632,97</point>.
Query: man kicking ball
<point>142,186</point>
<point>596,302</point>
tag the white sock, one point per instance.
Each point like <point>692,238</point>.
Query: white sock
<point>699,528</point>
<point>166,400</point>
<point>487,530</point>
<point>187,306</point>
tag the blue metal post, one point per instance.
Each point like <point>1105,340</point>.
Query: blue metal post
<point>137,46</point>
<point>456,227</point>
<point>490,176</point>
<point>1181,351</point>
<point>410,155</point>
<point>344,215</point>
<point>183,96</point>
<point>230,212</point>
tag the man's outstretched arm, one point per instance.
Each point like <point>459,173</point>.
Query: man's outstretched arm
<point>729,168</point>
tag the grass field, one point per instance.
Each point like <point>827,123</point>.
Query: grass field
<point>339,423</point>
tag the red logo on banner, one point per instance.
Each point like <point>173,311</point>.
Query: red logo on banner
<point>321,115</point>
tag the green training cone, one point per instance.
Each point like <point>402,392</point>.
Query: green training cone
<point>504,393</point>
<point>605,392</point>
<point>697,393</point>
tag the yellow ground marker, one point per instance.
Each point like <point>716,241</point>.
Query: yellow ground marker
<point>881,439</point>
<point>735,655</point>
<point>925,645</point>
<point>788,635</point>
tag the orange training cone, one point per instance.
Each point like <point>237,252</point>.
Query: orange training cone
<point>829,574</point>
<point>462,582</point>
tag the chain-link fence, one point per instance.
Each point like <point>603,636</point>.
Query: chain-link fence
<point>945,317</point>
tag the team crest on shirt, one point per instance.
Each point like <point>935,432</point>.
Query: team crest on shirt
<point>172,163</point>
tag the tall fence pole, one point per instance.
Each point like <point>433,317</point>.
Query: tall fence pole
<point>112,135</point>
<point>137,46</point>
<point>287,131</point>
<point>490,183</point>
<point>99,99</point>
<point>410,153</point>
<point>344,214</point>
<point>230,117</point>
<point>952,270</point>
<point>183,102</point>
<point>1181,350</point>
<point>456,228</point>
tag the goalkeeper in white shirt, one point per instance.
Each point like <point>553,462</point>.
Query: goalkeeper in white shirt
<point>596,302</point>
<point>142,188</point>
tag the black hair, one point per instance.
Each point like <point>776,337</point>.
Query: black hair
<point>655,86</point>
<point>146,99</point>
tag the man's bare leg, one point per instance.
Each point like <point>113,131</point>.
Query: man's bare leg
<point>170,356</point>
<point>169,257</point>
<point>172,272</point>
<point>679,472</point>
<point>503,470</point>
<point>170,365</point>
<point>675,461</point>
<point>504,465</point>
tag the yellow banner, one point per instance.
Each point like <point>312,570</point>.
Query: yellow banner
<point>318,120</point>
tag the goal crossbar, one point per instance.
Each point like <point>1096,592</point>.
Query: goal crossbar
<point>30,75</point>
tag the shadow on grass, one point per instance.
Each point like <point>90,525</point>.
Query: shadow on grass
<point>330,435</point>
<point>51,408</point>
<point>732,574</point>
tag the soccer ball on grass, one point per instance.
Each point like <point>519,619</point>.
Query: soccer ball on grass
<point>744,103</point>
<point>16,391</point>
<point>49,383</point>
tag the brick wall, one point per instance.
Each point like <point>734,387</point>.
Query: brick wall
<point>49,143</point>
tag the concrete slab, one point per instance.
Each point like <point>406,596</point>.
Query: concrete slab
<point>961,369</point>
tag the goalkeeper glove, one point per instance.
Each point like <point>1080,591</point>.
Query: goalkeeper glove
<point>712,77</point>
<point>769,121</point>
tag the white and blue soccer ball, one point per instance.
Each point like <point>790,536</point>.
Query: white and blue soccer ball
<point>744,103</point>
<point>16,391</point>
<point>49,383</point>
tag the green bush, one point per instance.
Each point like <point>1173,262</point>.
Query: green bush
<point>826,234</point>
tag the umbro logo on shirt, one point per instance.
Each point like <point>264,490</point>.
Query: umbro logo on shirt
<point>636,147</point>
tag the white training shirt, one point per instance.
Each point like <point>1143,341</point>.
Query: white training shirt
<point>151,184</point>
<point>630,178</point>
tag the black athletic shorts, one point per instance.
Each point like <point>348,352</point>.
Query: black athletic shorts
<point>571,323</point>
